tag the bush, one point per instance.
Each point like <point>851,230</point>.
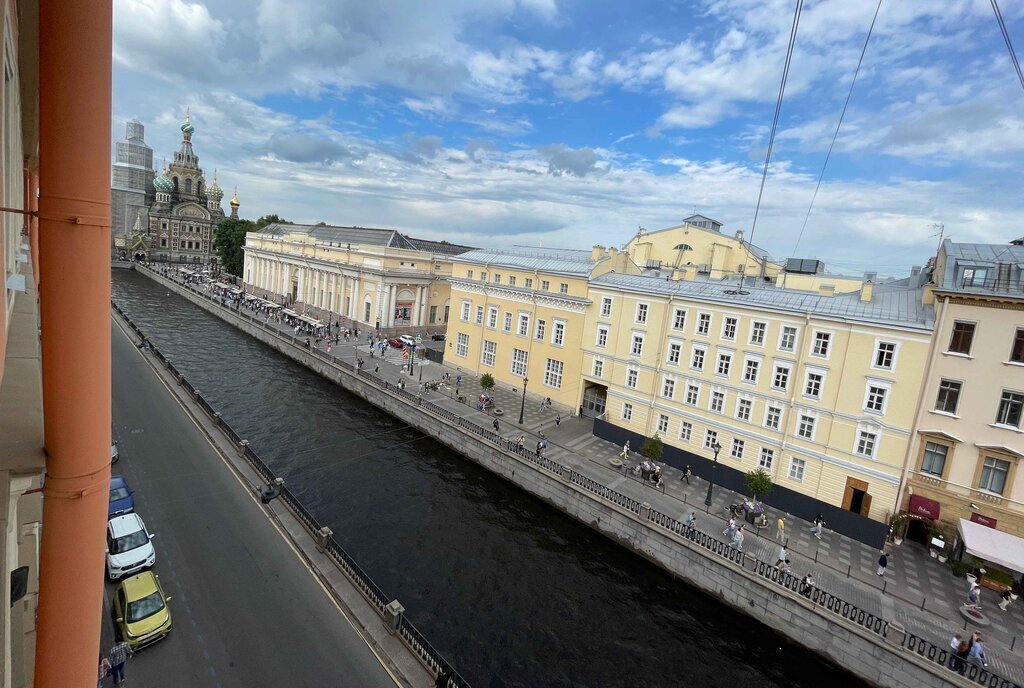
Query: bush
<point>997,576</point>
<point>487,381</point>
<point>758,482</point>
<point>960,568</point>
<point>652,448</point>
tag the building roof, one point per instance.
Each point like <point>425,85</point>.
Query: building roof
<point>988,257</point>
<point>444,247</point>
<point>891,304</point>
<point>366,236</point>
<point>565,261</point>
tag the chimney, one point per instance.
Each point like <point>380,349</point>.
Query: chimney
<point>739,235</point>
<point>915,271</point>
<point>612,251</point>
<point>596,253</point>
<point>870,276</point>
<point>867,291</point>
<point>827,289</point>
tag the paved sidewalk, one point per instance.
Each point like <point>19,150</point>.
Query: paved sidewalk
<point>917,591</point>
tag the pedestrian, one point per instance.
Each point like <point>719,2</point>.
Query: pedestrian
<point>625,451</point>
<point>686,474</point>
<point>543,404</point>
<point>691,524</point>
<point>443,678</point>
<point>376,368</point>
<point>977,654</point>
<point>807,585</point>
<point>458,381</point>
<point>495,425</point>
<point>548,402</point>
<point>883,561</point>
<point>819,525</point>
<point>105,668</point>
<point>119,654</point>
<point>783,555</point>
<point>956,655</point>
<point>780,529</point>
<point>974,596</point>
<point>737,538</point>
<point>540,449</point>
<point>1007,598</point>
<point>520,443</point>
<point>558,419</point>
<point>730,527</point>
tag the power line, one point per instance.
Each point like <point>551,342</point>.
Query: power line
<point>778,109</point>
<point>1009,44</point>
<point>839,124</point>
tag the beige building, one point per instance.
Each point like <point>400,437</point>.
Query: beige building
<point>365,277</point>
<point>969,438</point>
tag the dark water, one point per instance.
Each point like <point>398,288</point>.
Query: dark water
<point>511,591</point>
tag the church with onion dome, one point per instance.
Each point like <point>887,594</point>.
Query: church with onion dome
<point>172,215</point>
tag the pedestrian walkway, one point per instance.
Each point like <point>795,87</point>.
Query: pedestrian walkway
<point>916,590</point>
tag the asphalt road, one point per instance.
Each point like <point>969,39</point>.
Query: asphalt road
<point>246,611</point>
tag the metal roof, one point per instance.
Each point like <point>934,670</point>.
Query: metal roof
<point>565,261</point>
<point>431,246</point>
<point>895,305</point>
<point>984,254</point>
<point>366,236</point>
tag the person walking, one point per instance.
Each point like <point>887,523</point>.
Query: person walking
<point>737,538</point>
<point>883,561</point>
<point>119,655</point>
<point>558,419</point>
<point>780,529</point>
<point>105,668</point>
<point>495,425</point>
<point>955,657</point>
<point>691,523</point>
<point>819,526</point>
<point>730,528</point>
<point>543,405</point>
<point>625,451</point>
<point>783,556</point>
<point>520,443</point>
<point>376,368</point>
<point>1007,598</point>
<point>974,597</point>
<point>977,654</point>
<point>686,474</point>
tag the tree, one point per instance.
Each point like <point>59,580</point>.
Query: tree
<point>487,381</point>
<point>759,483</point>
<point>229,238</point>
<point>652,448</point>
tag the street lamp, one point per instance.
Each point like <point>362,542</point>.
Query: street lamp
<point>522,406</point>
<point>717,448</point>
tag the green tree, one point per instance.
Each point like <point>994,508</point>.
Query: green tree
<point>652,447</point>
<point>759,483</point>
<point>229,238</point>
<point>487,381</point>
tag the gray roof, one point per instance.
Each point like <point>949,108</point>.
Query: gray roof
<point>566,261</point>
<point>437,246</point>
<point>984,254</point>
<point>893,305</point>
<point>367,236</point>
<point>987,257</point>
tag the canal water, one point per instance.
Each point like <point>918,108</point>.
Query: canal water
<point>511,591</point>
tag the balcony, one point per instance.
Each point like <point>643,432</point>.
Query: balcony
<point>995,285</point>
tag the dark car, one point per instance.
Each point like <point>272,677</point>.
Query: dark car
<point>437,336</point>
<point>396,343</point>
<point>121,500</point>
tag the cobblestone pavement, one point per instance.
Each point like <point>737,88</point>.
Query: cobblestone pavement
<point>916,590</point>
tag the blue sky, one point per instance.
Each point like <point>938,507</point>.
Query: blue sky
<point>568,123</point>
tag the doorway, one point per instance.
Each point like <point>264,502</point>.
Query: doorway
<point>856,497</point>
<point>595,399</point>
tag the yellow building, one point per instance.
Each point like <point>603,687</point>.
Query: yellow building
<point>968,441</point>
<point>818,390</point>
<point>519,314</point>
<point>365,277</point>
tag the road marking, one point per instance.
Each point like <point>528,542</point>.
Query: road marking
<point>252,496</point>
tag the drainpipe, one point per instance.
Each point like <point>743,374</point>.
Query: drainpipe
<point>74,260</point>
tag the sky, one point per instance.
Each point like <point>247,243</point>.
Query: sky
<point>569,123</point>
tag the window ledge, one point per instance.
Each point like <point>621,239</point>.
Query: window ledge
<point>947,414</point>
<point>957,354</point>
<point>1017,364</point>
<point>1006,427</point>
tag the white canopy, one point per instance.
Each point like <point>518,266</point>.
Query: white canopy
<point>992,545</point>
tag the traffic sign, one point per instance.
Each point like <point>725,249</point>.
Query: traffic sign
<point>419,339</point>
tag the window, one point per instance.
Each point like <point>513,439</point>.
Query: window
<point>781,379</point>
<point>497,278</point>
<point>685,431</point>
<point>511,280</point>
<point>492,317</point>
<point>602,336</point>
<point>483,276</point>
<point>773,417</point>
<point>524,325</point>
<point>553,373</point>
<point>724,363</point>
<point>631,376</point>
<point>743,409</point>
<point>993,475</point>
<point>674,351</point>
<point>529,283</point>
<point>876,399</point>
<point>697,363</point>
<point>1010,406</point>
<point>668,388</point>
<point>563,288</point>
<point>750,370</point>
<point>606,307</point>
<point>717,401</point>
<point>866,443</point>
<point>641,312</point>
<point>508,322</point>
<point>757,330</point>
<point>465,310</point>
<point>822,340</point>
<point>469,274</point>
<point>692,393</point>
<point>519,359</point>
<point>462,345</point>
<point>703,323</point>
<point>812,388</point>
<point>1017,351</point>
<point>767,458</point>
<point>627,411</point>
<point>545,285</point>
<point>975,277</point>
<point>541,328</point>
<point>737,449</point>
<point>729,328</point>
<point>479,315</point>
<point>487,357</point>
<point>796,469</point>
<point>787,340</point>
<point>934,459</point>
<point>558,336</point>
<point>598,367</point>
<point>806,427</point>
<point>662,423</point>
<point>710,438</point>
<point>679,319</point>
<point>885,354</point>
<point>963,337</point>
<point>638,345</point>
<point>949,396</point>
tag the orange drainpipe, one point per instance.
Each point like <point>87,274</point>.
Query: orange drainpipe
<point>33,223</point>
<point>74,260</point>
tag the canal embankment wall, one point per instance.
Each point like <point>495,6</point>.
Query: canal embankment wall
<point>876,649</point>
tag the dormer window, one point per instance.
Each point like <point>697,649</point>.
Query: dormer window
<point>975,277</point>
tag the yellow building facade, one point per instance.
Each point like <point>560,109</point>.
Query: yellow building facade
<point>368,278</point>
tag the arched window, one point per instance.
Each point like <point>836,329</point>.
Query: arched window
<point>199,188</point>
<point>188,186</point>
<point>175,184</point>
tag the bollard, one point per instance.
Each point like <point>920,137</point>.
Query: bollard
<point>217,419</point>
<point>645,511</point>
<point>242,445</point>
<point>195,393</point>
<point>393,615</point>
<point>323,536</point>
<point>895,634</point>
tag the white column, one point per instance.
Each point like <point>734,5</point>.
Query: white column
<point>424,301</point>
<point>392,301</point>
<point>414,318</point>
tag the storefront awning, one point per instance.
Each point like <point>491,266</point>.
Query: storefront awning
<point>922,506</point>
<point>992,545</point>
<point>290,312</point>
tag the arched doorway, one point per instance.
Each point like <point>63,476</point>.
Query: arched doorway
<point>404,303</point>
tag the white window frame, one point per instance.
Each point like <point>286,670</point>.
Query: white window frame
<point>719,396</point>
<point>782,338</point>
<point>492,317</point>
<point>466,313</point>
<point>488,353</point>
<point>726,357</point>
<point>703,349</point>
<point>597,367</point>
<point>540,328</point>
<point>797,469</point>
<point>800,423</point>
<point>753,329</point>
<point>462,345</point>
<point>632,378</point>
<point>704,322</point>
<point>507,324</point>
<point>674,346</point>
<point>685,431</point>
<point>643,310</point>
<point>601,341</point>
<point>710,438</point>
<point>767,415</point>
<point>788,367</point>
<point>606,306</point>
<point>479,315</point>
<point>663,421</point>
<point>830,342</point>
<point>515,368</point>
<point>523,326</point>
<point>563,288</point>
<point>807,381</point>
<point>636,345</point>
<point>627,411</point>
<point>553,371</point>
<point>691,387</point>
<point>557,332</point>
<point>668,387</point>
<point>728,321</point>
<point>747,361</point>
<point>679,319</point>
<point>877,350</point>
<point>737,444</point>
<point>744,402</point>
<point>876,437</point>
<point>886,388</point>
<point>766,458</point>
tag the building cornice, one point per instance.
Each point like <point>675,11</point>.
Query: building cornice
<point>564,302</point>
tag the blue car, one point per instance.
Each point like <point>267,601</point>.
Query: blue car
<point>121,500</point>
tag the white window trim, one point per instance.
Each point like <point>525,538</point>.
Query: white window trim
<point>704,349</point>
<point>803,469</point>
<point>782,417</point>
<point>789,376</point>
<point>750,334</point>
<point>735,330</point>
<point>814,337</point>
<point>668,351</point>
<point>882,384</point>
<point>593,367</point>
<point>696,403</point>
<point>555,322</point>
<point>632,338</point>
<point>597,335</point>
<point>611,306</point>
<point>675,383</point>
<point>675,311</point>
<point>711,323</point>
<point>625,378</point>
<point>667,423</point>
<point>626,412</point>
<point>739,399</point>
<point>636,313</point>
<point>814,426</point>
<point>895,354</point>
<point>711,399</point>
<point>808,371</point>
<point>747,358</point>
<point>796,338</point>
<point>492,310</point>
<point>874,430</point>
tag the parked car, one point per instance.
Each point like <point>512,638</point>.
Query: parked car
<point>408,340</point>
<point>396,343</point>
<point>129,549</point>
<point>437,336</point>
<point>141,614</point>
<point>121,500</point>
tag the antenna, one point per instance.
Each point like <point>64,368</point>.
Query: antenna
<point>941,226</point>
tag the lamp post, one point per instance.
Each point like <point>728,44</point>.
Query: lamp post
<point>522,406</point>
<point>717,448</point>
